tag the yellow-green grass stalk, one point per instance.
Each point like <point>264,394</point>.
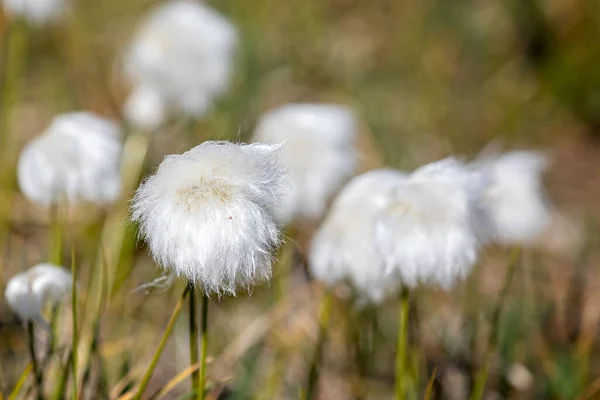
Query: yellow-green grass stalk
<point>58,215</point>
<point>163,341</point>
<point>15,392</point>
<point>324,318</point>
<point>402,345</point>
<point>204,347</point>
<point>75,338</point>
<point>482,374</point>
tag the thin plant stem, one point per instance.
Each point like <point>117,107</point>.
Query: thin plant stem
<point>193,325</point>
<point>482,374</point>
<point>401,345</point>
<point>37,373</point>
<point>56,233</point>
<point>204,328</point>
<point>161,345</point>
<point>59,392</point>
<point>75,338</point>
<point>20,382</point>
<point>324,317</point>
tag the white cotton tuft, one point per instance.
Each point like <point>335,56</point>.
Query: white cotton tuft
<point>206,214</point>
<point>36,12</point>
<point>27,293</point>
<point>318,153</point>
<point>345,248</point>
<point>145,109</point>
<point>184,51</point>
<point>76,158</point>
<point>428,229</point>
<point>515,202</point>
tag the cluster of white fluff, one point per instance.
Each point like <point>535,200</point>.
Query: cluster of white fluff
<point>76,158</point>
<point>27,293</point>
<point>319,155</point>
<point>515,202</point>
<point>207,214</point>
<point>181,58</point>
<point>429,231</point>
<point>36,12</point>
<point>388,229</point>
<point>344,248</point>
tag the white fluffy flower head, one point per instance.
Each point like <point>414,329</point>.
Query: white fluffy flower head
<point>145,108</point>
<point>36,12</point>
<point>76,158</point>
<point>318,153</point>
<point>515,202</point>
<point>428,230</point>
<point>345,247</point>
<point>183,52</point>
<point>206,214</point>
<point>27,293</point>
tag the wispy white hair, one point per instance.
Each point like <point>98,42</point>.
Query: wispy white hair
<point>515,201</point>
<point>77,158</point>
<point>345,247</point>
<point>28,292</point>
<point>206,214</point>
<point>183,52</point>
<point>318,153</point>
<point>36,12</point>
<point>428,229</point>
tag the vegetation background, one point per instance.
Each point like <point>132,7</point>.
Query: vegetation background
<point>428,78</point>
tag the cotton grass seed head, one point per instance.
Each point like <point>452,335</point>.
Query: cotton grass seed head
<point>345,249</point>
<point>515,201</point>
<point>76,158</point>
<point>428,229</point>
<point>27,293</point>
<point>36,12</point>
<point>318,153</point>
<point>183,52</point>
<point>206,214</point>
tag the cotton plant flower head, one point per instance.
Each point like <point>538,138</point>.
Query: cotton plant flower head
<point>318,153</point>
<point>207,214</point>
<point>515,201</point>
<point>345,247</point>
<point>76,158</point>
<point>36,12</point>
<point>181,56</point>
<point>27,293</point>
<point>429,228</point>
<point>145,108</point>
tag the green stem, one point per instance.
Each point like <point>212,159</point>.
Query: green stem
<point>37,374</point>
<point>482,375</point>
<point>161,345</point>
<point>193,321</point>
<point>75,338</point>
<point>204,328</point>
<point>56,230</point>
<point>324,317</point>
<point>401,346</point>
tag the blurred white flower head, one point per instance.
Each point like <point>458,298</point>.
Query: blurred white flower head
<point>318,153</point>
<point>515,202</point>
<point>428,230</point>
<point>183,52</point>
<point>345,246</point>
<point>76,158</point>
<point>36,12</point>
<point>145,108</point>
<point>27,293</point>
<point>206,214</point>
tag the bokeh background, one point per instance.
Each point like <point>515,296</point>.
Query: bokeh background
<point>428,79</point>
